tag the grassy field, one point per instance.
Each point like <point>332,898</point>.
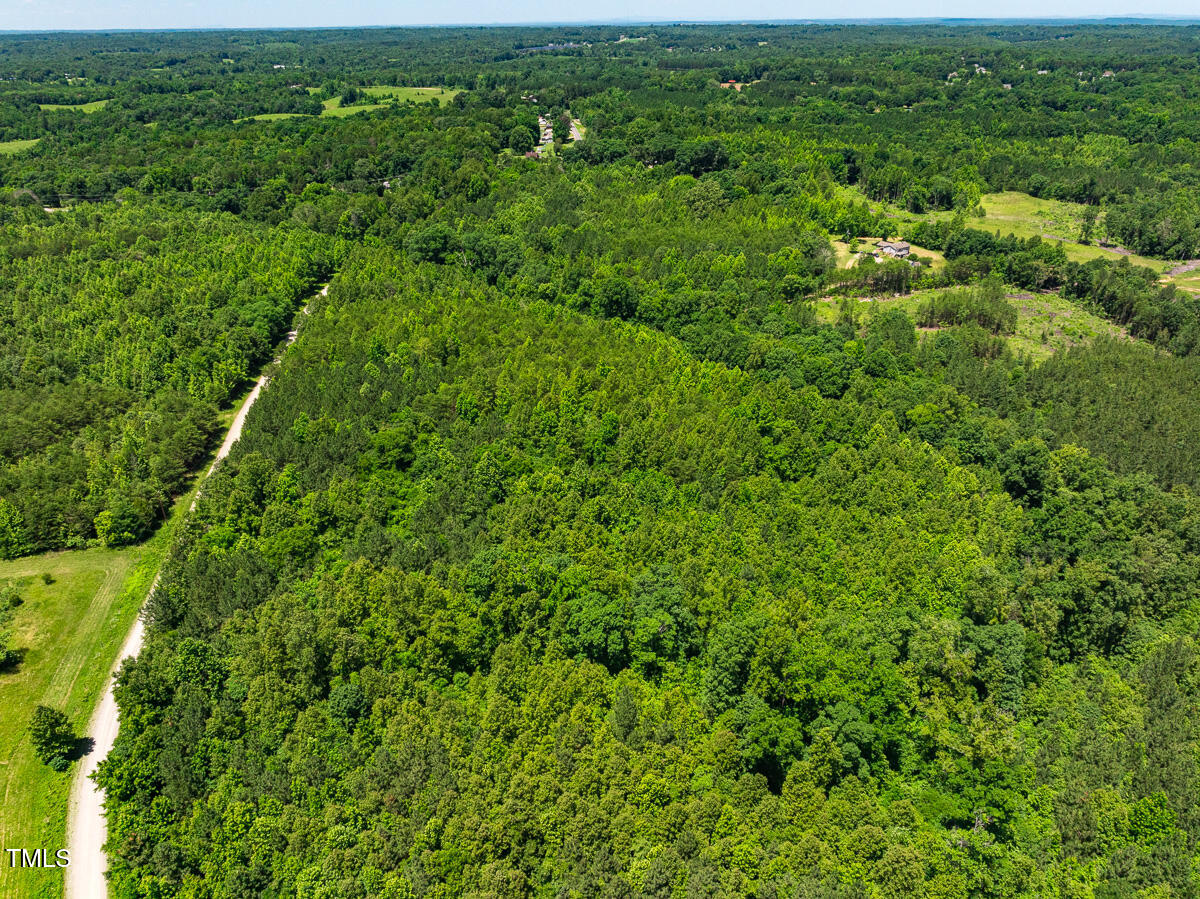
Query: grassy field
<point>1187,281</point>
<point>94,106</point>
<point>1026,216</point>
<point>8,147</point>
<point>416,94</point>
<point>334,107</point>
<point>1046,323</point>
<point>70,631</point>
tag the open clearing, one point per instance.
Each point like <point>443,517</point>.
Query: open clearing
<point>334,107</point>
<point>1012,212</point>
<point>1187,281</point>
<point>8,147</point>
<point>1025,216</point>
<point>391,94</point>
<point>416,94</point>
<point>94,106</point>
<point>70,631</point>
<point>1046,322</point>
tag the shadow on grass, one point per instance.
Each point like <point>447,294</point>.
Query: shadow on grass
<point>10,660</point>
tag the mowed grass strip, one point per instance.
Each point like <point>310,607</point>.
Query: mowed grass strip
<point>93,106</point>
<point>70,632</point>
<point>416,94</point>
<point>8,147</point>
<point>334,107</point>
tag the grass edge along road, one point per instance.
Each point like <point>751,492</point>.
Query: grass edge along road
<point>71,629</point>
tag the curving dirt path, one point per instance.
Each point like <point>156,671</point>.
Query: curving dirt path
<point>86,828</point>
<point>1189,266</point>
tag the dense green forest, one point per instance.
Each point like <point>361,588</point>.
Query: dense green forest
<point>495,599</point>
<point>623,523</point>
<point>121,333</point>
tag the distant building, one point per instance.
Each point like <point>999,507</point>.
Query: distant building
<point>897,249</point>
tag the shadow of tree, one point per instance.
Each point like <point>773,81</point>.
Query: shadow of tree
<point>82,746</point>
<point>11,659</point>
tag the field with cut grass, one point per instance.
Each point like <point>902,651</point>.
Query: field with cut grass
<point>93,106</point>
<point>69,632</point>
<point>1026,216</point>
<point>416,94</point>
<point>1189,281</point>
<point>334,107</point>
<point>16,146</point>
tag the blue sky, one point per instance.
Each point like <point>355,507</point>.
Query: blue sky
<point>56,14</point>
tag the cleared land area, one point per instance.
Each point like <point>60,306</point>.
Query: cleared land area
<point>16,146</point>
<point>1026,216</point>
<point>1189,281</point>
<point>1012,212</point>
<point>69,631</point>
<point>1046,322</point>
<point>416,94</point>
<point>93,106</point>
<point>334,107</point>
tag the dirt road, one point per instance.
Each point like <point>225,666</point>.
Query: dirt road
<point>86,829</point>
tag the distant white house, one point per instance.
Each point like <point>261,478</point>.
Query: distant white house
<point>897,249</point>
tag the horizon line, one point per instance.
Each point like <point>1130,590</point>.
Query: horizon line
<point>1123,18</point>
